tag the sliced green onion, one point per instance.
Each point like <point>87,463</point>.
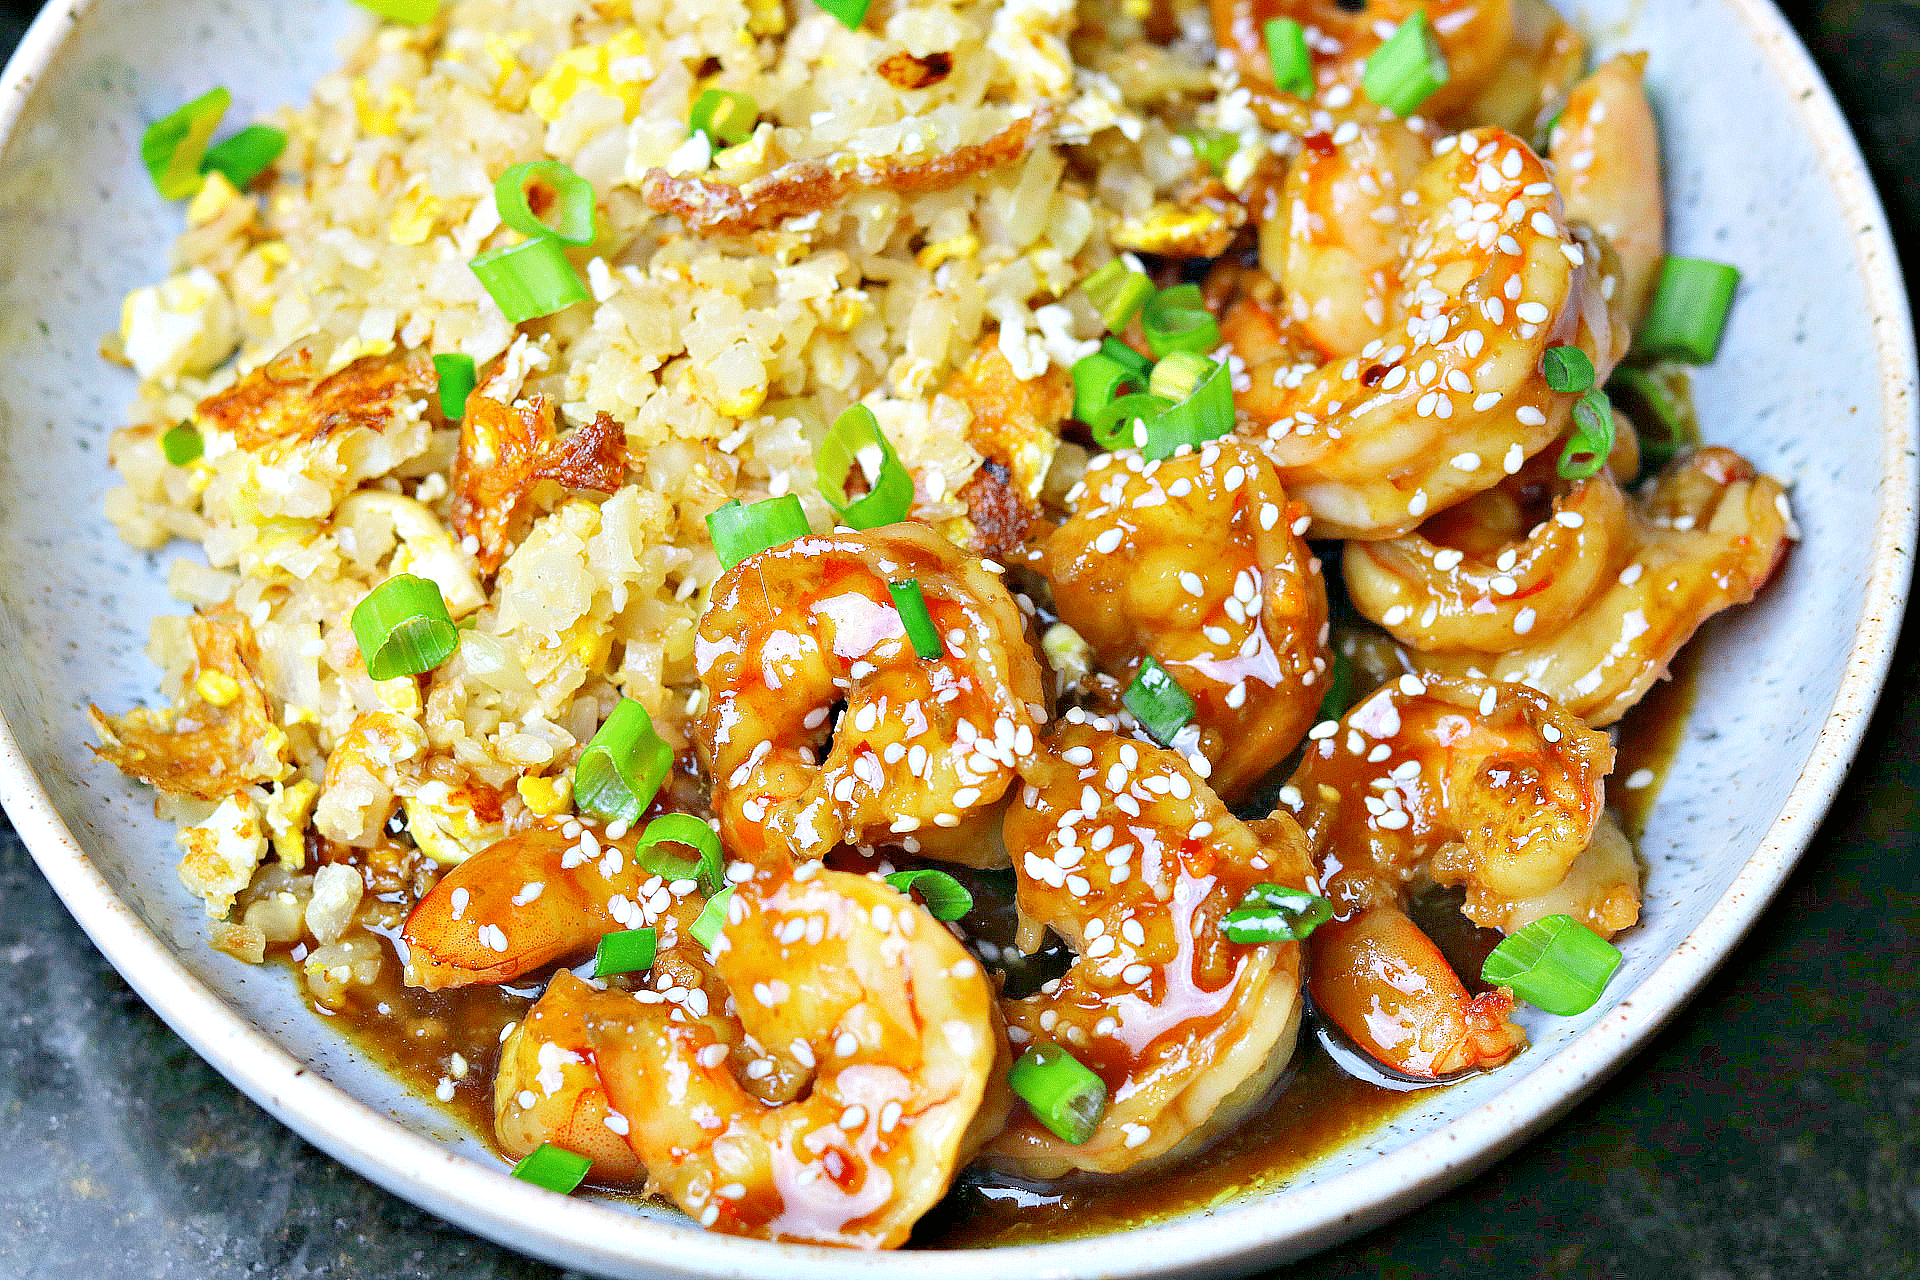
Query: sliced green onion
<point>1176,319</point>
<point>411,12</point>
<point>1689,311</point>
<point>727,118</point>
<point>1660,409</point>
<point>182,444</point>
<point>403,627</point>
<point>945,897</point>
<point>850,12</point>
<point>1097,382</point>
<point>1120,353</point>
<point>1546,134</point>
<point>1287,51</point>
<point>713,919</point>
<point>1339,695</point>
<point>739,532</point>
<point>707,870</point>
<point>1212,147</point>
<point>1407,68</point>
<point>457,375</point>
<point>555,1168</point>
<point>1556,963</point>
<point>246,155</point>
<point>912,604</point>
<point>1567,370</point>
<point>530,279</point>
<point>572,198</point>
<point>1117,292</point>
<point>1175,377</point>
<point>1275,913</point>
<point>1592,439</point>
<point>1158,702</point>
<point>174,145</point>
<point>628,951</point>
<point>1206,413</point>
<point>623,765</point>
<point>856,432</point>
<point>1064,1094</point>
<point>1122,424</point>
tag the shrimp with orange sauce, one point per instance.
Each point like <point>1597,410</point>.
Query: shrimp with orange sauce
<point>1705,534</point>
<point>1543,59</point>
<point>1129,857</point>
<point>895,1024</point>
<point>1489,787</point>
<point>1606,149</point>
<point>924,749</point>
<point>1453,396</point>
<point>1196,561</point>
<point>547,1088</point>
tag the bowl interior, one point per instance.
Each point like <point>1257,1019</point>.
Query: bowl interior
<point>1812,386</point>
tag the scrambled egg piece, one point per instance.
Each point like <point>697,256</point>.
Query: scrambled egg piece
<point>608,67</point>
<point>184,327</point>
<point>291,399</point>
<point>287,812</point>
<point>222,852</point>
<point>1180,231</point>
<point>1015,421</point>
<point>452,824</point>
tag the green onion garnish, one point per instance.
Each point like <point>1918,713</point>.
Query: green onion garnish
<point>1556,963</point>
<point>1568,370</point>
<point>738,531</point>
<point>856,432</point>
<point>412,12</point>
<point>628,951</point>
<point>1275,913</point>
<point>945,897</point>
<point>727,118</point>
<point>572,198</point>
<point>1120,353</point>
<point>912,604</point>
<point>623,765</point>
<point>457,374</point>
<point>530,279</point>
<point>1592,439</point>
<point>1339,695</point>
<point>713,918</point>
<point>1122,423</point>
<point>1212,147</point>
<point>1176,319</point>
<point>1287,51</point>
<point>403,627</point>
<point>246,155</point>
<point>1660,411</point>
<point>706,869</point>
<point>1117,293</point>
<point>1407,68</point>
<point>1175,377</point>
<point>174,145</point>
<point>555,1168</point>
<point>1158,702</point>
<point>850,12</point>
<point>182,444</point>
<point>1205,414</point>
<point>1097,381</point>
<point>1065,1096</point>
<point>1689,310</point>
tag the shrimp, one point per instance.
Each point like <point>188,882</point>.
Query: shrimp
<point>1473,34</point>
<point>1128,856</point>
<point>1493,277</point>
<point>925,748</point>
<point>1606,147</point>
<point>1196,561</point>
<point>1544,58</point>
<point>897,1023</point>
<point>1493,788</point>
<point>547,1088</point>
<point>1705,535</point>
<point>531,899</point>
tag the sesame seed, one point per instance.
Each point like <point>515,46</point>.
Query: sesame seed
<point>1523,621</point>
<point>1108,542</point>
<point>1639,779</point>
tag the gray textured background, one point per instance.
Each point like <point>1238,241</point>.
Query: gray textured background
<point>1774,1131</point>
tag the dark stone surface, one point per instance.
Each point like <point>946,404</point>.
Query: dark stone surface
<point>1773,1131</point>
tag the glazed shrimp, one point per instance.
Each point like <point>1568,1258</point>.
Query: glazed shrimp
<point>1489,787</point>
<point>896,1021</point>
<point>1606,147</point>
<point>1705,535</point>
<point>1453,397</point>
<point>925,748</point>
<point>1472,33</point>
<point>1544,58</point>
<point>547,1088</point>
<point>1128,856</point>
<point>1196,561</point>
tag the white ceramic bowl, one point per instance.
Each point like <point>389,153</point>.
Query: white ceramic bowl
<point>1815,385</point>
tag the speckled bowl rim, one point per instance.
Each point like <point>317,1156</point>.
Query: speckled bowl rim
<point>582,1233</point>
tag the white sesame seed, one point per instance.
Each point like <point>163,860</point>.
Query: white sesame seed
<point>1639,779</point>
<point>1523,621</point>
